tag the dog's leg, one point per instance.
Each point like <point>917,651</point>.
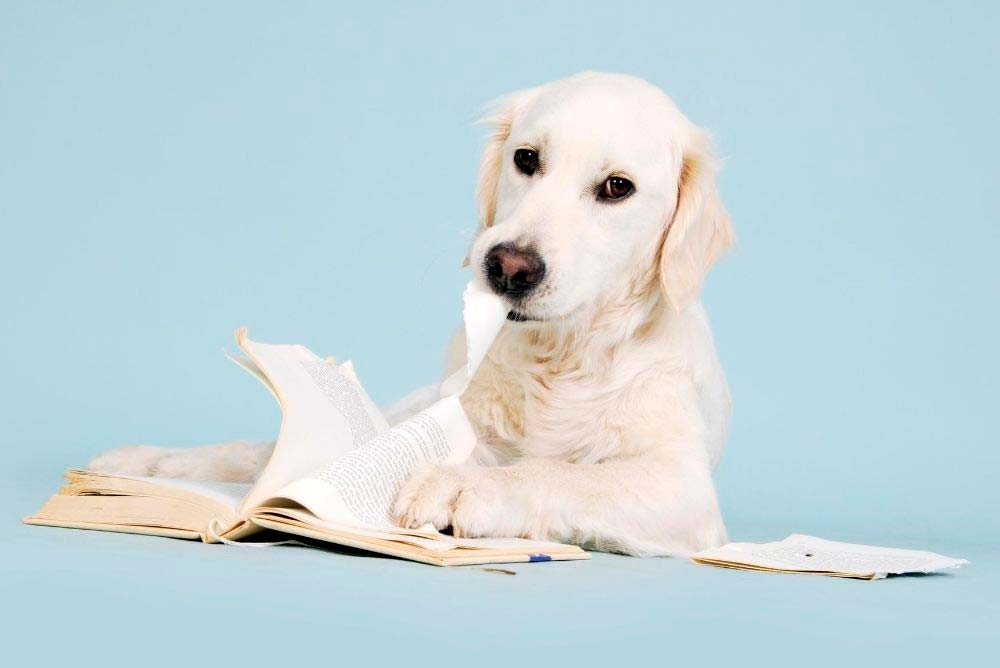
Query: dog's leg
<point>649,505</point>
<point>237,461</point>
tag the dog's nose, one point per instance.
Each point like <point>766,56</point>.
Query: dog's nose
<point>513,271</point>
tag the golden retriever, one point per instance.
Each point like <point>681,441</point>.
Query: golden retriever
<point>601,408</point>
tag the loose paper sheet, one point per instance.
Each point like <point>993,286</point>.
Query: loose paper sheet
<point>807,554</point>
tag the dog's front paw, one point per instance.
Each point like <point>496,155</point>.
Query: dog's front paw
<point>471,500</point>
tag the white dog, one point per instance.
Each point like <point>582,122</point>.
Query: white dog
<point>601,407</point>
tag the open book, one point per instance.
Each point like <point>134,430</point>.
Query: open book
<point>334,473</point>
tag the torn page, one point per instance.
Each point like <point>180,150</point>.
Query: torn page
<point>483,315</point>
<point>807,554</point>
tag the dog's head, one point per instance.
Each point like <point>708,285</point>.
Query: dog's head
<point>591,188</point>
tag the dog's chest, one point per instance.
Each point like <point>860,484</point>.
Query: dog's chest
<point>538,410</point>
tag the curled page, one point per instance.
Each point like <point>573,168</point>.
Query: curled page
<point>326,412</point>
<point>359,488</point>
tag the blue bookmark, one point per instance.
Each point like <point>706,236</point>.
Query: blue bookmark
<point>539,557</point>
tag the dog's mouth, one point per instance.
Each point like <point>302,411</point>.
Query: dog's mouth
<point>553,319</point>
<point>515,316</point>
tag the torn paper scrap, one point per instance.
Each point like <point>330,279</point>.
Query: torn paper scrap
<point>483,315</point>
<point>810,555</point>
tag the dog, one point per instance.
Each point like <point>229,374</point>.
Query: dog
<point>601,409</point>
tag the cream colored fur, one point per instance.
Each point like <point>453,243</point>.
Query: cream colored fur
<point>601,421</point>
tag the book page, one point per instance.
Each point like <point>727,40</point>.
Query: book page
<point>326,413</point>
<point>800,553</point>
<point>429,540</point>
<point>358,488</point>
<point>226,494</point>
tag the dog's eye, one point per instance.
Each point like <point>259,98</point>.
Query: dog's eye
<point>615,187</point>
<point>526,160</point>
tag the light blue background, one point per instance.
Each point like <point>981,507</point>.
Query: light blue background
<point>169,172</point>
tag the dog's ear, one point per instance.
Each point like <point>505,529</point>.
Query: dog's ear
<point>500,117</point>
<point>700,231</point>
<point>491,162</point>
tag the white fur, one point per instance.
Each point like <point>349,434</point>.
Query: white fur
<point>600,422</point>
